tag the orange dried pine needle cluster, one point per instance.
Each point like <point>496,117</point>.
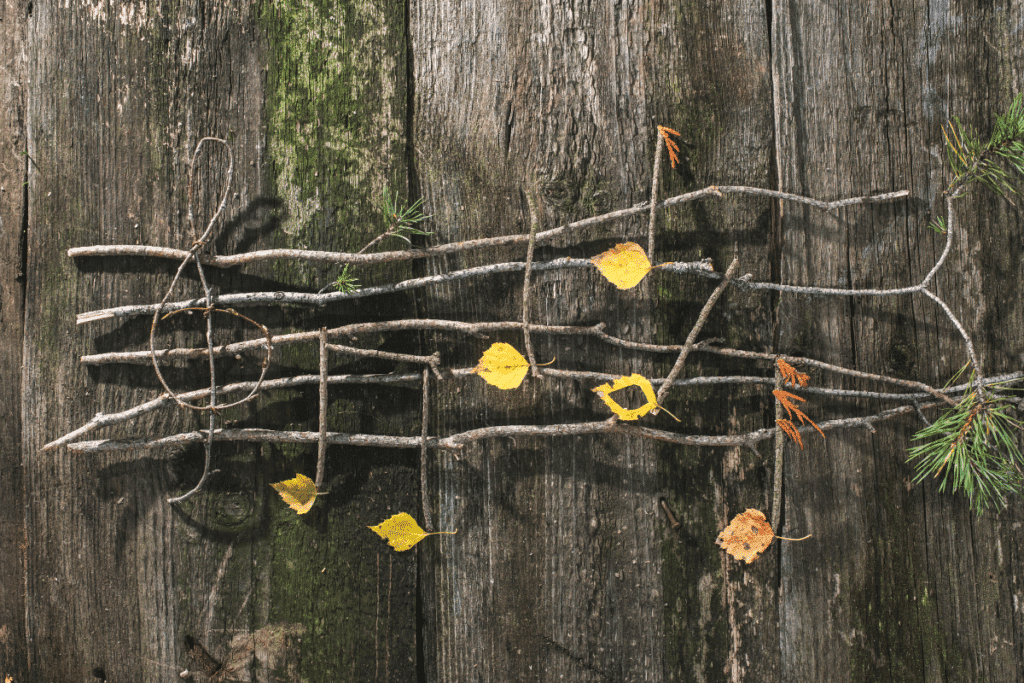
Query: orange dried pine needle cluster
<point>793,378</point>
<point>671,145</point>
<point>790,375</point>
<point>786,399</point>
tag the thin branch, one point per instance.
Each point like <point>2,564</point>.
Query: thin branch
<point>433,360</point>
<point>318,300</point>
<point>960,329</point>
<point>802,360</point>
<point>321,446</point>
<point>208,292</point>
<point>534,223</point>
<point>455,247</point>
<point>424,462</point>
<point>697,326</point>
<point>246,435</point>
<point>780,449</point>
<point>458,441</point>
<point>110,419</point>
<point>659,147</point>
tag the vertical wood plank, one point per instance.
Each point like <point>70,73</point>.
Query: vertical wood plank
<point>709,67</point>
<point>119,97</point>
<point>554,574</point>
<point>13,16</point>
<point>903,582</point>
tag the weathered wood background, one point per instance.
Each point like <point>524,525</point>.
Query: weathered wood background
<point>563,567</point>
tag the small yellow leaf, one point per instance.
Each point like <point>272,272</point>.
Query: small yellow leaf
<point>402,532</point>
<point>633,380</point>
<point>299,493</point>
<point>625,265</point>
<point>502,366</point>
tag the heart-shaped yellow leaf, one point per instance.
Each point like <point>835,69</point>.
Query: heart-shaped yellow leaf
<point>625,265</point>
<point>299,493</point>
<point>402,532</point>
<point>502,366</point>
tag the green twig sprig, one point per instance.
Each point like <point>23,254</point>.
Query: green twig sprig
<point>401,221</point>
<point>974,448</point>
<point>990,162</point>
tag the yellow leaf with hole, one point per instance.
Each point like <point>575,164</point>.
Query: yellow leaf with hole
<point>747,535</point>
<point>625,265</point>
<point>402,532</point>
<point>299,493</point>
<point>633,380</point>
<point>502,366</point>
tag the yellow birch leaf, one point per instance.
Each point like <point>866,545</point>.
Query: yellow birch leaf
<point>299,493</point>
<point>633,380</point>
<point>402,532</point>
<point>502,366</point>
<point>747,535</point>
<point>625,265</point>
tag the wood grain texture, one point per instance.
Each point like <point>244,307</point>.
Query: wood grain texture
<point>903,582</point>
<point>13,166</point>
<point>709,66</point>
<point>554,574</point>
<point>118,98</point>
<point>563,567</point>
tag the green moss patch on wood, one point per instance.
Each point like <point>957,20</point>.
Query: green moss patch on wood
<point>336,103</point>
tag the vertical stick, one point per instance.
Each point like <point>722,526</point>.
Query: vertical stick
<point>321,446</point>
<point>655,176</point>
<point>780,447</point>
<point>532,203</point>
<point>424,422</point>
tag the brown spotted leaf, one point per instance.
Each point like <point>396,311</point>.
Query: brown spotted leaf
<point>748,535</point>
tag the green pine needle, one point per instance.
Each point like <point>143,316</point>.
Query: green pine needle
<point>988,163</point>
<point>974,449</point>
<point>346,281</point>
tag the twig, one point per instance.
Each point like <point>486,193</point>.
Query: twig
<point>697,326</point>
<point>318,300</point>
<point>780,449</point>
<point>246,435</point>
<point>793,360</point>
<point>200,241</point>
<point>321,446</point>
<point>107,420</point>
<point>458,441</point>
<point>424,462</point>
<point>960,329</point>
<point>440,250</point>
<point>433,360</point>
<point>534,223</point>
<point>163,401</point>
<point>659,146</point>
